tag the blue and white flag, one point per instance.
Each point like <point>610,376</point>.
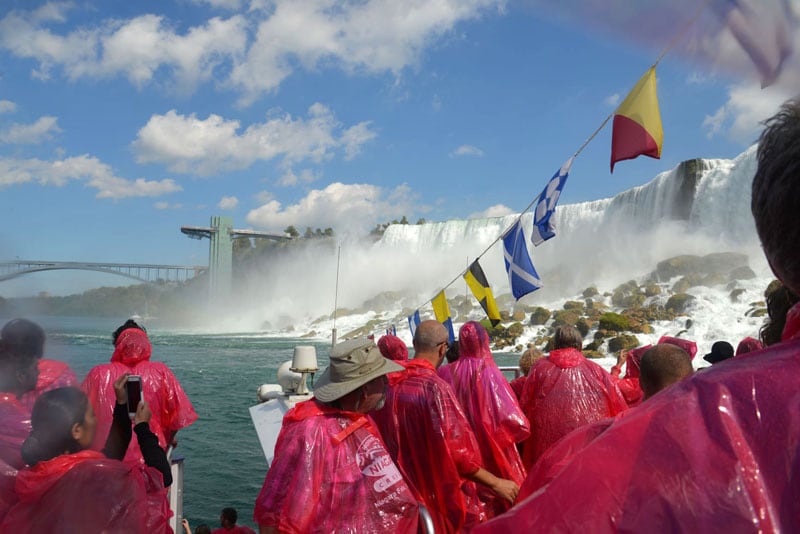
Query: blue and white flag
<point>543,226</point>
<point>391,331</point>
<point>413,322</point>
<point>522,277</point>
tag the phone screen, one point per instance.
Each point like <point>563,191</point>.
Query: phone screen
<point>134,388</point>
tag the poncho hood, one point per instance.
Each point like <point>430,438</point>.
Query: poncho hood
<point>36,481</point>
<point>133,346</point>
<point>473,341</point>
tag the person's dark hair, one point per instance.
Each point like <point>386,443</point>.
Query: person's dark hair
<point>24,336</point>
<point>661,366</point>
<point>54,414</point>
<point>452,352</point>
<point>230,515</point>
<point>567,337</point>
<point>776,193</point>
<point>202,529</point>
<point>130,323</point>
<point>779,300</point>
<point>11,361</point>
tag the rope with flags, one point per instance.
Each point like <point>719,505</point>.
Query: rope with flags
<point>636,131</point>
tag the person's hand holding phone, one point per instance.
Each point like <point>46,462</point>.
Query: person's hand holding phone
<point>119,389</point>
<point>143,413</point>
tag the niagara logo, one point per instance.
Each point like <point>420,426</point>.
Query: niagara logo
<point>378,464</point>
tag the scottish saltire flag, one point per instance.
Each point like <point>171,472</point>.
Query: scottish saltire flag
<point>442,312</point>
<point>543,225</point>
<point>522,277</point>
<point>476,280</point>
<point>413,322</point>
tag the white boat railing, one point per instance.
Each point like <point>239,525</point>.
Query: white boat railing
<point>176,493</point>
<point>510,369</point>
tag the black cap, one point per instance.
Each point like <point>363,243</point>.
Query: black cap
<point>720,351</point>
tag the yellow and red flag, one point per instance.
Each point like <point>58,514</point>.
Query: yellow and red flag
<point>637,127</point>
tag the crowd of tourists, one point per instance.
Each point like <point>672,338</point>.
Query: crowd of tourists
<point>392,444</point>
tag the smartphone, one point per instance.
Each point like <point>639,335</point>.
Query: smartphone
<point>134,389</point>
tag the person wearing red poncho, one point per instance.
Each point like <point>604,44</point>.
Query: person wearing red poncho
<point>171,408</point>
<point>331,471</point>
<point>629,384</point>
<point>717,452</point>
<point>492,410</point>
<point>28,336</point>
<point>18,373</point>
<point>69,488</point>
<point>660,365</point>
<point>564,391</point>
<point>430,439</point>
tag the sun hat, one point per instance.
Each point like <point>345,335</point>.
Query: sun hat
<point>720,351</point>
<point>353,363</point>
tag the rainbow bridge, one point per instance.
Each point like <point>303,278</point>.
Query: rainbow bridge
<point>148,273</point>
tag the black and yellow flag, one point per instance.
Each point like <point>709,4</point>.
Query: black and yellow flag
<point>476,281</point>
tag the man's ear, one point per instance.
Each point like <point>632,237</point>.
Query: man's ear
<point>77,431</point>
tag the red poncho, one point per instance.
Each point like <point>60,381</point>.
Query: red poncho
<point>393,348</point>
<point>629,385</point>
<point>88,493</point>
<point>53,374</point>
<point>430,440</point>
<point>332,473</point>
<point>491,408</point>
<point>562,392</point>
<point>717,452</point>
<point>170,406</point>
<point>15,425</point>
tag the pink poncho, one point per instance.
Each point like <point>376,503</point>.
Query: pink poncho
<point>629,384</point>
<point>431,441</point>
<point>53,374</point>
<point>88,493</point>
<point>491,409</point>
<point>170,406</point>
<point>717,452</point>
<point>332,473</point>
<point>15,425</point>
<point>563,392</point>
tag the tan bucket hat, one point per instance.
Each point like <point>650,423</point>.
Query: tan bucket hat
<point>353,363</point>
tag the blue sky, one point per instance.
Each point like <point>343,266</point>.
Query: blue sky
<point>122,121</point>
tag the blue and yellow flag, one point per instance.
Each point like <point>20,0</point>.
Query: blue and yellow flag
<point>477,282</point>
<point>442,312</point>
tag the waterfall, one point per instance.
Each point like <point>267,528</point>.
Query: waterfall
<point>700,206</point>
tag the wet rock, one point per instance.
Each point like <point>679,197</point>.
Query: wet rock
<point>614,322</point>
<point>622,342</point>
<point>679,303</point>
<point>652,289</point>
<point>518,315</point>
<point>565,317</point>
<point>742,273</point>
<point>593,354</point>
<point>736,294</point>
<point>590,292</point>
<point>540,315</point>
<point>573,305</point>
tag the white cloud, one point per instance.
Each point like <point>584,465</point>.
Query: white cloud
<point>136,48</point>
<point>342,207</point>
<point>252,51</point>
<point>740,117</point>
<point>220,4</point>
<point>7,106</point>
<point>305,176</point>
<point>87,169</point>
<point>208,146</point>
<point>467,150</point>
<point>228,203</point>
<point>612,101</point>
<point>164,205</point>
<point>498,210</point>
<point>37,132</point>
<point>262,197</point>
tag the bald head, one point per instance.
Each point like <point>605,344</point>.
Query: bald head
<point>430,341</point>
<point>662,366</point>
